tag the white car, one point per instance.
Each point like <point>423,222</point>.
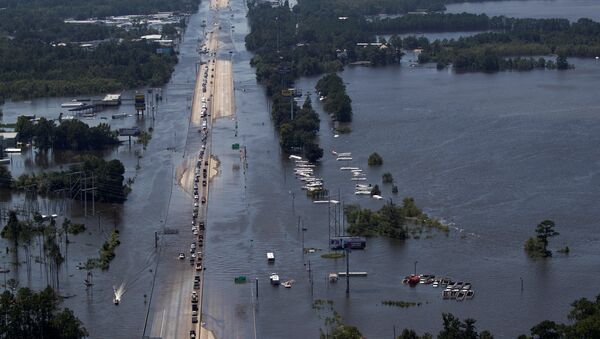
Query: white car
<point>181,256</point>
<point>195,232</point>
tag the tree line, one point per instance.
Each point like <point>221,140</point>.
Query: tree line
<point>336,102</point>
<point>71,135</point>
<point>27,314</point>
<point>34,63</point>
<point>391,220</point>
<point>511,44</point>
<point>108,179</point>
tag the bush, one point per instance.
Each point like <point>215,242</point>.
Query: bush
<point>375,159</point>
<point>387,178</point>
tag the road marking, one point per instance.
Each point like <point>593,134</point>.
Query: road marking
<point>162,323</point>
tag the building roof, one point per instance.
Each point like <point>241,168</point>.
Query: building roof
<point>8,135</point>
<point>151,37</point>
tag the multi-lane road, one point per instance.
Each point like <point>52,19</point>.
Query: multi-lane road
<point>170,311</point>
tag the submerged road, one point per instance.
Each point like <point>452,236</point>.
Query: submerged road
<point>170,312</point>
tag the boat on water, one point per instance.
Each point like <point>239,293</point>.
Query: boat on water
<point>288,284</point>
<point>363,186</point>
<point>116,300</point>
<point>377,197</point>
<point>343,158</point>
<point>362,192</point>
<point>295,157</point>
<point>470,294</point>
<point>348,168</point>
<point>466,286</point>
<point>446,293</point>
<point>274,279</point>
<point>412,280</point>
<point>358,179</point>
<point>344,154</point>
<point>72,104</point>
<point>333,277</point>
<point>4,270</point>
<point>270,257</point>
<point>119,116</point>
<point>460,296</point>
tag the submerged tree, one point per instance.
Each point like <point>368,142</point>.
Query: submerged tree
<point>538,246</point>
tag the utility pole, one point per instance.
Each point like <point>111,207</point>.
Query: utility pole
<point>347,246</point>
<point>416,267</point>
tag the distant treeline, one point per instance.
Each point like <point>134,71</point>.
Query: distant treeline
<point>337,102</point>
<point>34,61</point>
<point>39,70</point>
<point>511,44</point>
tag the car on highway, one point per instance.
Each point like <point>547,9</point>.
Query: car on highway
<point>198,266</point>
<point>204,183</point>
<point>203,200</point>
<point>196,285</point>
<point>195,319</point>
<point>192,334</point>
<point>181,256</point>
<point>195,232</point>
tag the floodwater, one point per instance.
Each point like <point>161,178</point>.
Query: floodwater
<point>154,204</point>
<point>491,154</point>
<point>539,9</point>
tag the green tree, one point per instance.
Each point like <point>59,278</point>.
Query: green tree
<point>26,314</point>
<point>561,62</point>
<point>387,178</point>
<point>25,129</point>
<point>5,177</point>
<point>375,159</point>
<point>545,230</point>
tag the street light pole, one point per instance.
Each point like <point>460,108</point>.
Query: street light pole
<point>416,267</point>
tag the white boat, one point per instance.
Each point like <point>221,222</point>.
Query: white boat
<point>344,154</point>
<point>470,294</point>
<point>274,278</point>
<point>270,257</point>
<point>363,186</point>
<point>12,150</point>
<point>344,158</point>
<point>377,197</point>
<point>357,171</point>
<point>288,284</point>
<point>71,104</point>
<point>348,168</point>
<point>333,277</point>
<point>362,192</point>
<point>295,157</point>
<point>358,179</point>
